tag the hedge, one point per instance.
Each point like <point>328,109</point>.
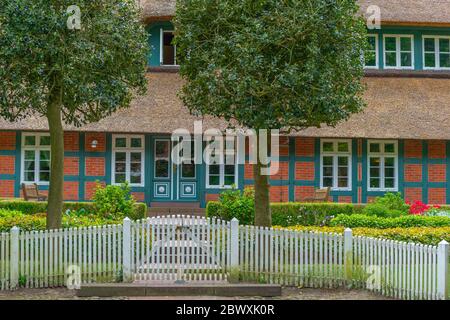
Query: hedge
<point>424,235</point>
<point>36,222</point>
<point>296,213</point>
<point>408,221</point>
<point>34,207</point>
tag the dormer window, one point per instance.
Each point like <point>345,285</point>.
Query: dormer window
<point>371,53</point>
<point>168,50</point>
<point>436,53</point>
<point>398,52</point>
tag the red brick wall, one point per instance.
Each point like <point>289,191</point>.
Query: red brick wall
<point>89,188</point>
<point>7,165</point>
<point>284,146</point>
<point>95,166</point>
<point>101,140</point>
<point>345,199</point>
<point>302,192</point>
<point>283,170</point>
<point>413,194</point>
<point>304,171</point>
<point>436,149</point>
<point>7,140</point>
<point>413,173</point>
<point>436,196</point>
<point>71,141</point>
<point>7,188</point>
<point>304,147</point>
<point>248,171</point>
<point>279,194</point>
<point>211,197</point>
<point>139,196</point>
<point>71,166</point>
<point>70,190</point>
<point>413,149</point>
<point>437,172</point>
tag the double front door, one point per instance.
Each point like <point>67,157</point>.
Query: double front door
<point>171,181</point>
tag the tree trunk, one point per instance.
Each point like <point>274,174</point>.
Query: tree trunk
<point>55,194</point>
<point>263,215</point>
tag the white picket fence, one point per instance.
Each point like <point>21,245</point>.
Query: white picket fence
<point>184,248</point>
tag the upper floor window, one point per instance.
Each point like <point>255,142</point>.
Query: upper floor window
<point>382,165</point>
<point>128,160</point>
<point>336,164</point>
<point>36,158</point>
<point>168,49</point>
<point>371,54</point>
<point>398,52</point>
<point>436,52</point>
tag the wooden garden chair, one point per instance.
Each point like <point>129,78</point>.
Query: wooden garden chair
<point>320,195</point>
<point>31,192</point>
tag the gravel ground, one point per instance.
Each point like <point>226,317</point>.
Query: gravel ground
<point>288,294</point>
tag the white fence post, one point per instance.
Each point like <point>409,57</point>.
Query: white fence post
<point>14,258</point>
<point>442,271</point>
<point>348,255</point>
<point>126,247</point>
<point>234,250</point>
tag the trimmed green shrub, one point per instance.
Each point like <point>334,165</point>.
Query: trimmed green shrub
<point>389,205</point>
<point>425,235</point>
<point>294,213</point>
<point>34,207</point>
<point>236,204</point>
<point>113,202</point>
<point>359,220</point>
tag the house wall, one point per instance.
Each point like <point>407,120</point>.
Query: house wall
<point>423,170</point>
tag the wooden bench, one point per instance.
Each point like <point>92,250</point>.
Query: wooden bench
<point>31,192</point>
<point>320,195</point>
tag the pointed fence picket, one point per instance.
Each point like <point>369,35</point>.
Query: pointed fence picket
<point>184,248</point>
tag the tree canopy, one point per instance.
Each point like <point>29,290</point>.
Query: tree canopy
<point>271,64</point>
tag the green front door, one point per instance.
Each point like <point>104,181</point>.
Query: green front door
<point>172,182</point>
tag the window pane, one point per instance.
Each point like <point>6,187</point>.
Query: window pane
<point>391,59</point>
<point>162,149</point>
<point>229,169</point>
<point>389,183</point>
<point>405,44</point>
<point>374,162</point>
<point>121,142</point>
<point>342,161</point>
<point>389,172</point>
<point>30,140</point>
<point>136,143</point>
<point>44,166</point>
<point>444,60</point>
<point>121,156</point>
<point>375,172</point>
<point>44,176</point>
<point>429,44</point>
<point>389,147</point>
<point>136,169</point>
<point>374,182</point>
<point>29,175</point>
<point>370,59</point>
<point>343,171</point>
<point>120,167</point>
<point>120,178</point>
<point>374,147</point>
<point>168,49</point>
<point>29,155</point>
<point>135,157</point>
<point>328,182</point>
<point>135,178</point>
<point>188,170</point>
<point>343,182</point>
<point>406,59</point>
<point>162,169</point>
<point>328,147</point>
<point>444,45</point>
<point>343,147</point>
<point>372,42</point>
<point>390,43</point>
<point>214,180</point>
<point>389,162</point>
<point>44,140</point>
<point>44,156</point>
<point>430,60</point>
<point>327,171</point>
<point>229,180</point>
<point>327,161</point>
<point>214,169</point>
<point>29,165</point>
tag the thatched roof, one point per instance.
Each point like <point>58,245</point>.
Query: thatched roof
<point>398,108</point>
<point>426,12</point>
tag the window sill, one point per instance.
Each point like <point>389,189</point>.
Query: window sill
<point>170,69</point>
